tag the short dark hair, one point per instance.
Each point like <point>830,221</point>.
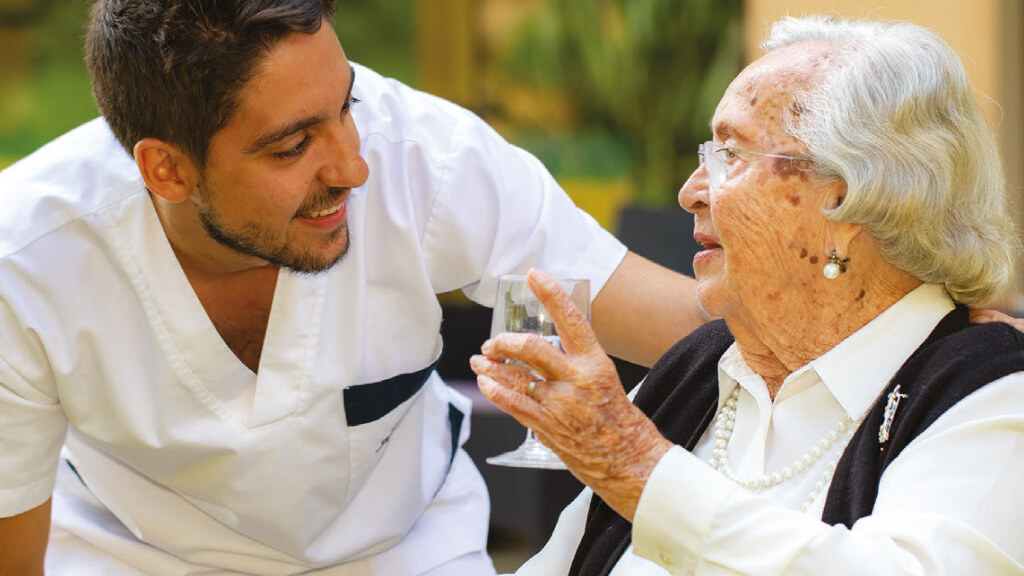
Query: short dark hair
<point>173,69</point>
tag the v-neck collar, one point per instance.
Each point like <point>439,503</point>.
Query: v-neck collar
<point>202,360</point>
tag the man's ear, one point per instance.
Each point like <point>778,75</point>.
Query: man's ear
<point>167,171</point>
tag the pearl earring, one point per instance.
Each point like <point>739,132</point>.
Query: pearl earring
<point>835,266</point>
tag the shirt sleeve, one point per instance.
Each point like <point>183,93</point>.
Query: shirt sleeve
<point>506,213</point>
<point>949,504</point>
<point>32,429</point>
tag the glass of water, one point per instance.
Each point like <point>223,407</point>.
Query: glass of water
<point>518,310</point>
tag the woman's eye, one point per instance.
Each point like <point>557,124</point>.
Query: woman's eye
<point>730,154</point>
<point>294,151</point>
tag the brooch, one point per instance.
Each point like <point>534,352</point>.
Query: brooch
<point>890,413</point>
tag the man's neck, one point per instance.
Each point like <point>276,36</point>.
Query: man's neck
<point>236,291</point>
<point>197,252</point>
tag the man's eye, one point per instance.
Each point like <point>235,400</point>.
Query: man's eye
<point>294,151</point>
<point>730,154</point>
<point>348,105</point>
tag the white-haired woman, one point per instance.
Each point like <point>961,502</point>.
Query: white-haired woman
<point>844,417</point>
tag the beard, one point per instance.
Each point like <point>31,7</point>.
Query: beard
<point>257,239</point>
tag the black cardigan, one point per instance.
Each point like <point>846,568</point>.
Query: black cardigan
<point>680,395</point>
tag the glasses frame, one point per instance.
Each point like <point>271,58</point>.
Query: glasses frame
<point>717,165</point>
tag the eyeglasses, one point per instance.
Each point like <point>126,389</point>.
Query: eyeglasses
<point>717,160</point>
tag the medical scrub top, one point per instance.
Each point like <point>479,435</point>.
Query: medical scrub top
<point>344,448</point>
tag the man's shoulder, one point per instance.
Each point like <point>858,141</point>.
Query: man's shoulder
<point>90,143</point>
<point>398,100</point>
<point>67,179</point>
<point>390,112</point>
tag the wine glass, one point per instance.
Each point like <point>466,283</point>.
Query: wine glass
<point>518,310</point>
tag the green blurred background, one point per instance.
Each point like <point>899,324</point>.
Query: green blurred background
<point>612,95</point>
<point>44,88</point>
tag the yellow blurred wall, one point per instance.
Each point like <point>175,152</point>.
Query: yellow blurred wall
<point>971,27</point>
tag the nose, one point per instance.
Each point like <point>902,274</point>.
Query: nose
<point>343,165</point>
<point>693,196</point>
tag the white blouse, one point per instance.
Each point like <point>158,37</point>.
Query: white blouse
<point>950,504</point>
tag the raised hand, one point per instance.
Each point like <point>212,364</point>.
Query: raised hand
<point>580,409</point>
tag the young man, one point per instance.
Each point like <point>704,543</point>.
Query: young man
<point>217,349</point>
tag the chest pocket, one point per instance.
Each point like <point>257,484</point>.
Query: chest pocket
<point>373,411</point>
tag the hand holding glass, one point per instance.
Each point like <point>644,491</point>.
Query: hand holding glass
<point>518,310</point>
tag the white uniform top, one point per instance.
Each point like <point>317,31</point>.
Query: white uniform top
<point>344,448</point>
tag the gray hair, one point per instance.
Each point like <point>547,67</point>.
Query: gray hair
<point>897,121</point>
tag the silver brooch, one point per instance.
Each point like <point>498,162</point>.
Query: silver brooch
<point>890,413</point>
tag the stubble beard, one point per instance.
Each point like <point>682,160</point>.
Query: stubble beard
<point>257,240</point>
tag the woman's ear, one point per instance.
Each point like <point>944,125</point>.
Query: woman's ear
<point>834,194</point>
<point>168,172</point>
<point>839,235</point>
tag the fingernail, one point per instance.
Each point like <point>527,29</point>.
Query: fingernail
<point>537,275</point>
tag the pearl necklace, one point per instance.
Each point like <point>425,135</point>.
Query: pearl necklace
<point>726,421</point>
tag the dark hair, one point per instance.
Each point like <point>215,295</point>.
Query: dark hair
<point>173,69</point>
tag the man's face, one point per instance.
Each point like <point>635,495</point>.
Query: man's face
<point>278,176</point>
<point>763,229</point>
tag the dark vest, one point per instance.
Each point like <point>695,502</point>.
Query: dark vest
<point>680,395</point>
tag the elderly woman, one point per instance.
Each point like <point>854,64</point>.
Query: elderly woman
<point>844,417</point>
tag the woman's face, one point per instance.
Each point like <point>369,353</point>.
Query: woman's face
<point>763,229</point>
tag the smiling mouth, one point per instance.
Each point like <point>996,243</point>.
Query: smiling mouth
<point>322,213</point>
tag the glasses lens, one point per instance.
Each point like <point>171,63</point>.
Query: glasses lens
<point>715,164</point>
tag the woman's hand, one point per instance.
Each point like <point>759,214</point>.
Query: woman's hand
<point>579,409</point>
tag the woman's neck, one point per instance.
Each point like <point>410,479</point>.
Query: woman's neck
<point>777,340</point>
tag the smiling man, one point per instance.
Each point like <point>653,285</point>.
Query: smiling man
<point>218,311</point>
<point>277,177</point>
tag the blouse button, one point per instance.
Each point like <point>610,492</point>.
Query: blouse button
<point>666,558</point>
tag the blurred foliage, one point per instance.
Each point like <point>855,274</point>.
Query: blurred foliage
<point>47,92</point>
<point>631,84</point>
<point>381,35</point>
<point>44,85</point>
<point>648,71</point>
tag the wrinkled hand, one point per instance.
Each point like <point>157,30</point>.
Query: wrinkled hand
<point>580,411</point>
<point>982,316</point>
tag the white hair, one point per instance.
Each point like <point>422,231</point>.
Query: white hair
<point>895,118</point>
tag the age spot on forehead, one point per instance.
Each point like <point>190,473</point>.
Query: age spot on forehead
<point>753,100</point>
<point>803,253</point>
<point>794,199</point>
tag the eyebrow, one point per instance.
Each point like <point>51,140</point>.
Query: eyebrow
<point>726,130</point>
<point>299,125</point>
